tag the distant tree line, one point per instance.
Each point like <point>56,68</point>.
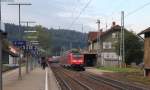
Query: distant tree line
<point>133,48</point>
<point>52,39</point>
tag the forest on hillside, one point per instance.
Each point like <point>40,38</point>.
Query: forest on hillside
<point>60,38</point>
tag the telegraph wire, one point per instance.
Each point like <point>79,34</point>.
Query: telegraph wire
<point>83,9</point>
<point>136,10</point>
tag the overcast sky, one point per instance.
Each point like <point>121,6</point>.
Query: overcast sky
<point>61,13</point>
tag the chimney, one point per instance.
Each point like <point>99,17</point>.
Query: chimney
<point>113,23</point>
<point>101,30</point>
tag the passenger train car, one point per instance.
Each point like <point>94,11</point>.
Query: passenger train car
<point>73,59</point>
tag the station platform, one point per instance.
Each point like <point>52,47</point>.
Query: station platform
<point>37,79</point>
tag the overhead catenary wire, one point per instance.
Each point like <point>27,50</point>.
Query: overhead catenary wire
<point>122,24</point>
<point>137,9</point>
<point>75,8</point>
<point>82,10</point>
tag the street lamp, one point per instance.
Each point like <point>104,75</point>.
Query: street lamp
<point>27,54</point>
<point>1,82</point>
<point>19,5</point>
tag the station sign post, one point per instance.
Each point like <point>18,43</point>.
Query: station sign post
<point>21,44</point>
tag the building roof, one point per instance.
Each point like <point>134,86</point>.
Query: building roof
<point>112,29</point>
<point>92,36</point>
<point>145,31</point>
<point>13,51</point>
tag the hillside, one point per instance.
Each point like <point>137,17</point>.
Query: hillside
<point>62,38</point>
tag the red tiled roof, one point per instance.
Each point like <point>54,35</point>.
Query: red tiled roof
<point>145,31</point>
<point>93,35</point>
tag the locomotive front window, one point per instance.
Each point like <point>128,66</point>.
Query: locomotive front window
<point>77,55</point>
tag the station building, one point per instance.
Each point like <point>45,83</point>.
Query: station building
<point>146,33</point>
<point>103,43</point>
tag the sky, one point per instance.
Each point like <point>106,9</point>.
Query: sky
<point>61,13</point>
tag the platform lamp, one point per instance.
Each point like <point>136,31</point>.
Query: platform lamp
<point>19,5</point>
<point>3,35</point>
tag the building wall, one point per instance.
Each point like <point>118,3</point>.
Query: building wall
<point>96,46</point>
<point>13,61</point>
<point>147,52</point>
<point>110,59</point>
<point>111,63</point>
<point>108,48</point>
<point>5,57</point>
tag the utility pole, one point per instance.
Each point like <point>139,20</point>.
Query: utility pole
<point>1,64</point>
<point>70,45</point>
<point>27,23</point>
<point>82,28</point>
<point>98,41</point>
<point>98,35</point>
<point>121,44</point>
<point>19,5</point>
<point>123,39</point>
<point>83,31</point>
<point>59,27</point>
<point>27,54</point>
<point>122,47</point>
<point>106,26</point>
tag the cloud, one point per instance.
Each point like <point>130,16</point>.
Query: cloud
<point>54,13</point>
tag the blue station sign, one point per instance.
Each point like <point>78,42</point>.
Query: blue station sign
<point>19,43</point>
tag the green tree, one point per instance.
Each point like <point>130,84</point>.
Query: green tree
<point>44,38</point>
<point>133,48</point>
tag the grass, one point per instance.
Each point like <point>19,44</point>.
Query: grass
<point>117,69</point>
<point>130,74</point>
<point>139,79</point>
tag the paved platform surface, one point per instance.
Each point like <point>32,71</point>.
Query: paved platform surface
<point>53,84</point>
<point>35,80</point>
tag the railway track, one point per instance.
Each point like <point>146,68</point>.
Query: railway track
<point>62,82</point>
<point>67,82</point>
<point>72,80</point>
<point>94,84</point>
<point>114,83</point>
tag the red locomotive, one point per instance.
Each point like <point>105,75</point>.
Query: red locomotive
<point>73,59</point>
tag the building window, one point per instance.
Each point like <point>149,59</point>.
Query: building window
<point>110,55</point>
<point>107,45</point>
<point>114,35</point>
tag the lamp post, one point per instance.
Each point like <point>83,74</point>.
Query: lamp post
<point>1,37</point>
<point>98,43</point>
<point>27,54</point>
<point>19,5</point>
<point>1,83</point>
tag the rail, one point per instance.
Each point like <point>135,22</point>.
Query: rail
<point>114,83</point>
<point>73,79</point>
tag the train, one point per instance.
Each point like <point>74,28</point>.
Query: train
<point>73,59</point>
<point>54,59</point>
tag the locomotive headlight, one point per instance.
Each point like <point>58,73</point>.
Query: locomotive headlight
<point>77,61</point>
<point>74,61</point>
<point>81,61</point>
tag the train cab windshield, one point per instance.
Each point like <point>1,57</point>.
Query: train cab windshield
<point>77,55</point>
